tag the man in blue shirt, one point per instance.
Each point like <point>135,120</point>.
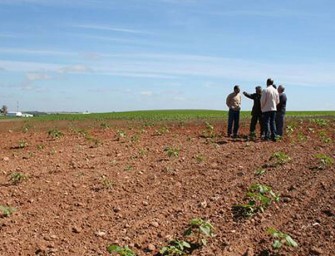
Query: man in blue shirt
<point>281,110</point>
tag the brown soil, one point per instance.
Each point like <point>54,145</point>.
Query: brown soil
<point>93,187</point>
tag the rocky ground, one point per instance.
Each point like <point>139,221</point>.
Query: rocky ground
<point>74,188</point>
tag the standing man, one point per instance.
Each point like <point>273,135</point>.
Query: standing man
<point>233,102</point>
<point>269,101</point>
<point>256,112</point>
<point>281,110</point>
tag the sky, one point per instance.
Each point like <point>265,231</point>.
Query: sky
<point>125,55</point>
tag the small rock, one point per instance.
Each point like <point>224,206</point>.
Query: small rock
<point>54,237</point>
<point>6,159</point>
<point>155,224</point>
<point>47,238</point>
<point>214,165</point>
<point>151,247</point>
<point>116,209</point>
<point>203,204</point>
<point>126,238</point>
<point>76,230</point>
<point>145,203</point>
<point>53,250</point>
<point>317,251</point>
<point>286,199</point>
<point>100,233</point>
<point>249,252</point>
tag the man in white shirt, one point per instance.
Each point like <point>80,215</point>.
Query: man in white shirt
<point>269,101</point>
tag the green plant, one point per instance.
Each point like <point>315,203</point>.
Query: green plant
<point>143,152</point>
<point>175,248</point>
<point>40,146</point>
<point>324,138</point>
<point>320,122</point>
<point>106,183</point>
<point>6,211</point>
<point>290,129</point>
<point>324,161</point>
<point>22,144</point>
<point>104,125</point>
<point>128,168</point>
<point>199,158</point>
<point>281,239</point>
<point>119,250</point>
<point>196,234</point>
<point>17,177</point>
<point>209,130</point>
<point>26,127</point>
<point>172,152</point>
<point>55,133</point>
<point>199,229</point>
<point>135,138</point>
<point>81,132</point>
<point>96,142</point>
<point>162,130</point>
<point>280,158</point>
<point>302,137</point>
<point>260,172</point>
<point>120,134</point>
<point>259,198</point>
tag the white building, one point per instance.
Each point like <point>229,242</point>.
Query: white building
<point>19,114</point>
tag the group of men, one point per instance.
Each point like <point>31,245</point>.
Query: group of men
<point>268,109</point>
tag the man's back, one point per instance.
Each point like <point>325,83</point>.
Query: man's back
<point>269,99</point>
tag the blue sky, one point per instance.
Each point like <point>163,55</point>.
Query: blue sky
<point>120,55</point>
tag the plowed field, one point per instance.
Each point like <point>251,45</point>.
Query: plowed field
<point>70,188</point>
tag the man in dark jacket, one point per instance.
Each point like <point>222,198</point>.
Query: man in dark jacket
<point>256,112</point>
<point>281,110</point>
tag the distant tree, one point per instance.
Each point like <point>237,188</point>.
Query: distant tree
<point>4,110</point>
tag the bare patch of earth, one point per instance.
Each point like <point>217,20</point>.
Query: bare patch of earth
<point>80,187</point>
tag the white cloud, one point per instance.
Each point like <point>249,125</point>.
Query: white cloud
<point>182,66</point>
<point>179,98</point>
<point>146,93</point>
<point>38,76</point>
<point>104,38</point>
<point>27,66</point>
<point>36,52</point>
<point>75,69</point>
<point>108,72</point>
<point>174,66</point>
<point>110,28</point>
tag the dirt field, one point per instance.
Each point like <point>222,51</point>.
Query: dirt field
<point>75,188</point>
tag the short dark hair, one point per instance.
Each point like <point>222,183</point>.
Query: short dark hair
<point>269,81</point>
<point>236,87</point>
